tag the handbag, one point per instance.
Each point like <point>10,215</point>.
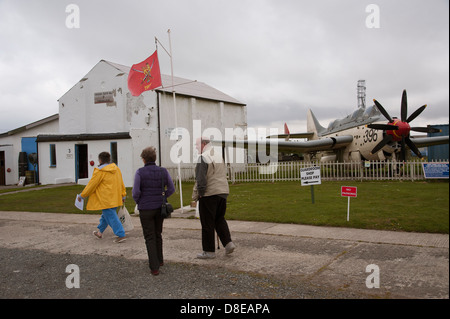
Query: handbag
<point>166,208</point>
<point>125,218</point>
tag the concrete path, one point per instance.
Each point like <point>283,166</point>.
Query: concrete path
<point>378,264</point>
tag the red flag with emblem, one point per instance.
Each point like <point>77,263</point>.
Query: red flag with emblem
<point>145,75</point>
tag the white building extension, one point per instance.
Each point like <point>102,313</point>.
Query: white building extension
<point>18,144</point>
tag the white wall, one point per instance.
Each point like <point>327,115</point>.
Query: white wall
<point>80,114</point>
<point>214,117</point>
<point>65,163</point>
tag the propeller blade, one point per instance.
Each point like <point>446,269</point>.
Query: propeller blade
<point>380,145</point>
<point>383,111</point>
<point>416,113</point>
<point>428,129</point>
<point>413,147</point>
<point>384,127</point>
<point>404,107</point>
<point>403,150</point>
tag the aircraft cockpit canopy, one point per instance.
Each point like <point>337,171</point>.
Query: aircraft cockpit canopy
<point>332,125</point>
<point>360,116</point>
<point>371,111</point>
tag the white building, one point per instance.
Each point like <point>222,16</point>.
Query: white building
<point>22,141</point>
<point>99,114</point>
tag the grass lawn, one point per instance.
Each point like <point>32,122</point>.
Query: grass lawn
<point>390,205</point>
<point>405,206</point>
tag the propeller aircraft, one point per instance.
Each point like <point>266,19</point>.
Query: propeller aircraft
<point>362,135</point>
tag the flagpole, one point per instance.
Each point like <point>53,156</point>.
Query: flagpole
<point>176,119</point>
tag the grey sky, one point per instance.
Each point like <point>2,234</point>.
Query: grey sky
<point>280,57</point>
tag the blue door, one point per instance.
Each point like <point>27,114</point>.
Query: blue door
<point>29,146</point>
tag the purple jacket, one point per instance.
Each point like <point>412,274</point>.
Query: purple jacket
<point>147,192</point>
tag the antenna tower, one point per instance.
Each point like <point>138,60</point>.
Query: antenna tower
<point>361,94</point>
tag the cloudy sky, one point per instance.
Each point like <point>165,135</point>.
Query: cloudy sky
<point>280,57</point>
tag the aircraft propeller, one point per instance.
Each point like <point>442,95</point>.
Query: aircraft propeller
<point>398,129</point>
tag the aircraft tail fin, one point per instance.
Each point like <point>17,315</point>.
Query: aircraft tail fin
<point>286,129</point>
<point>288,135</point>
<point>313,125</point>
<point>286,132</point>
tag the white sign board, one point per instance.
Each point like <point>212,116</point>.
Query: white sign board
<point>310,176</point>
<point>21,181</point>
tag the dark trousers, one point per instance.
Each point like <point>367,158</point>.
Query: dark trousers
<point>212,217</point>
<point>152,225</point>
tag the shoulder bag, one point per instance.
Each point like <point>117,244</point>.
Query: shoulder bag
<point>166,208</point>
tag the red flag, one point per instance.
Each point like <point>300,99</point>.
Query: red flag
<point>145,75</point>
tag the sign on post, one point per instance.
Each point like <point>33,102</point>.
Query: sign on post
<point>310,176</point>
<point>348,191</point>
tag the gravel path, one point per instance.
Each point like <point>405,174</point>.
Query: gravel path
<point>38,274</point>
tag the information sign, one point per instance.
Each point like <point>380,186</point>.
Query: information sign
<point>310,176</point>
<point>435,170</point>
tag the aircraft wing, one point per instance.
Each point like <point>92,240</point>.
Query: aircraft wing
<point>323,144</point>
<point>293,135</point>
<point>429,141</point>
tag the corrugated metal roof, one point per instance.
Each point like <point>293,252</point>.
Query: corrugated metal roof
<point>185,87</point>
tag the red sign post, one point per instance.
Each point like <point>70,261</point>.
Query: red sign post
<point>348,191</point>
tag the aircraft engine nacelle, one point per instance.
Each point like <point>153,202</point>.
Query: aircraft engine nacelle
<point>355,156</point>
<point>328,158</point>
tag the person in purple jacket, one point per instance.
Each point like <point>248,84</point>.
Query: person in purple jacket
<point>147,194</point>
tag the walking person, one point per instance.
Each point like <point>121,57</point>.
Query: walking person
<point>211,191</point>
<point>106,192</point>
<point>147,193</point>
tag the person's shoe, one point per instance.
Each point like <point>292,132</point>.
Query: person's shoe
<point>155,272</point>
<point>97,234</point>
<point>206,255</point>
<point>120,240</point>
<point>229,248</point>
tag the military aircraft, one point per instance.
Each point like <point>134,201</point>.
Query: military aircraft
<point>362,135</point>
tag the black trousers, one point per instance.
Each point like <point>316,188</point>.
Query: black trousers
<point>212,217</point>
<point>152,226</point>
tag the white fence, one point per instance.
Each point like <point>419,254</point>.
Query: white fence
<point>332,171</point>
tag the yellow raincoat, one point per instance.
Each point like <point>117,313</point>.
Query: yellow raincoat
<point>105,189</point>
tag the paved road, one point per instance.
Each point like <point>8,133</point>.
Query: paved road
<point>305,261</point>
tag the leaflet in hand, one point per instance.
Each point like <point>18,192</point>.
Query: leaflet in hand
<point>79,204</point>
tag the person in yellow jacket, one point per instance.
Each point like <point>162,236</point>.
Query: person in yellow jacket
<point>106,192</point>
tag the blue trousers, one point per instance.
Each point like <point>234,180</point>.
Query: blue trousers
<point>109,217</point>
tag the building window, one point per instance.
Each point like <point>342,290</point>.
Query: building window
<point>114,157</point>
<point>52,155</point>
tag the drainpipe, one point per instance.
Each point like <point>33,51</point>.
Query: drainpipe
<point>159,128</point>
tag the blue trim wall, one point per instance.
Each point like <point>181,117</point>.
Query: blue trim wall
<point>29,146</point>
